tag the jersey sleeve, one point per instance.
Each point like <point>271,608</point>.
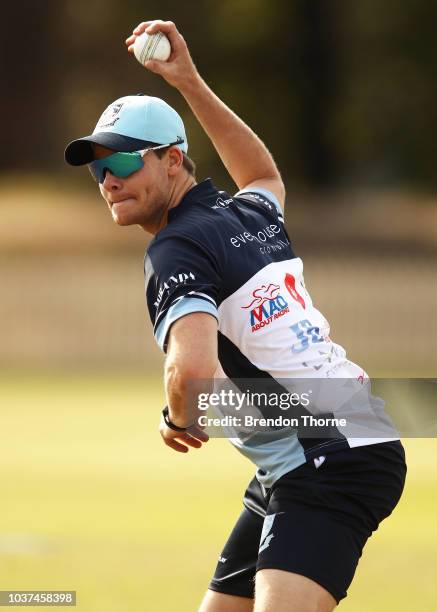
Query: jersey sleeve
<point>181,277</point>
<point>263,198</point>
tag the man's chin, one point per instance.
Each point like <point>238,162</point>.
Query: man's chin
<point>122,213</point>
<point>122,219</point>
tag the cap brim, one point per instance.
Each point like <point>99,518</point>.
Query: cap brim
<point>80,151</point>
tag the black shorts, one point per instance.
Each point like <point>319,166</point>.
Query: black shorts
<point>313,521</point>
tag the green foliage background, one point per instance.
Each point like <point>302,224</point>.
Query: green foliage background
<point>342,92</point>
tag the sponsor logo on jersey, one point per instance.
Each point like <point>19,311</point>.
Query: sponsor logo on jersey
<point>266,306</point>
<point>221,203</point>
<point>290,283</point>
<point>362,377</point>
<point>318,461</point>
<point>267,233</point>
<point>176,279</point>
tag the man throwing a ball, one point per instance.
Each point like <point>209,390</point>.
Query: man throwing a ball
<point>225,289</point>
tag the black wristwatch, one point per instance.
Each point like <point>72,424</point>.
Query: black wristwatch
<point>169,423</point>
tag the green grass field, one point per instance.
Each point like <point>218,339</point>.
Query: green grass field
<point>92,501</point>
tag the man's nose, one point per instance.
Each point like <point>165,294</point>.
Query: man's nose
<point>111,182</point>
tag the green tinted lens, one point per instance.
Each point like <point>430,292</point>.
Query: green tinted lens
<point>118,164</point>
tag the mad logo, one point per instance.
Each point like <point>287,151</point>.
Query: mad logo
<point>266,306</point>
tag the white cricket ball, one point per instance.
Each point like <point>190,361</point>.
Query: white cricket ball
<point>152,46</point>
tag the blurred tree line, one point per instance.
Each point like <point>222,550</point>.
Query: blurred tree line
<point>342,92</point>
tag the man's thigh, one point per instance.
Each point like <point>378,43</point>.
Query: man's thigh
<point>319,520</point>
<point>221,602</point>
<point>281,591</point>
<point>236,567</point>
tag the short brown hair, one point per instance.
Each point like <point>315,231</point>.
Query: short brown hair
<point>187,163</point>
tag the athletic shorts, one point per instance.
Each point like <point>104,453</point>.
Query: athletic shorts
<point>313,521</point>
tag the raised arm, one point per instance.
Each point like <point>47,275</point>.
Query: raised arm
<point>245,156</point>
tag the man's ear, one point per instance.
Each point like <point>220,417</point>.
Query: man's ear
<point>175,160</point>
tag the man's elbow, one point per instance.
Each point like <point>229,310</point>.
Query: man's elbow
<point>272,183</point>
<point>178,374</point>
<point>280,191</point>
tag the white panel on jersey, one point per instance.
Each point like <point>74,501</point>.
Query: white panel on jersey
<point>273,322</point>
<point>271,318</point>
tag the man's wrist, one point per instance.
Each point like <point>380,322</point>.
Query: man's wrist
<point>191,85</point>
<point>179,425</point>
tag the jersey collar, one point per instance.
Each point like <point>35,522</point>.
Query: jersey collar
<point>199,194</point>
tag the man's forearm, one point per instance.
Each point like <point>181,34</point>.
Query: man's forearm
<point>245,156</point>
<point>182,388</point>
<point>176,395</point>
<point>242,152</point>
<point>190,364</point>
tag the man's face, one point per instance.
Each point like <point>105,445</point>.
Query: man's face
<point>143,197</point>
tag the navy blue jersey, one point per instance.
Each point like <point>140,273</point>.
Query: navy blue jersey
<point>231,257</point>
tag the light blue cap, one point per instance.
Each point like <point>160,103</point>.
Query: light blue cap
<point>130,123</point>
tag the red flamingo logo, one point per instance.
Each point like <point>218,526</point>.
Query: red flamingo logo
<point>290,283</point>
